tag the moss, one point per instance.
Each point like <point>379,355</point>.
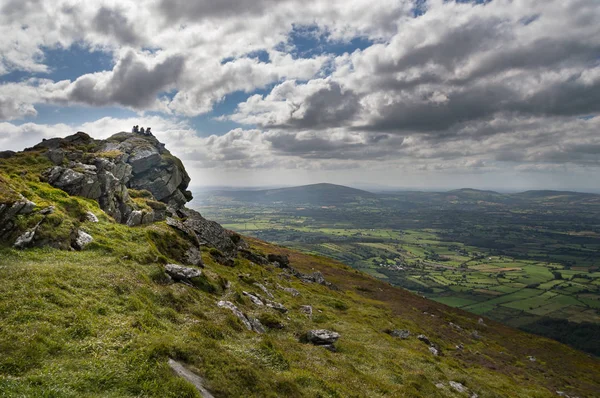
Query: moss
<point>156,205</point>
<point>140,193</point>
<point>114,154</point>
<point>7,194</point>
<point>270,320</point>
<point>169,244</point>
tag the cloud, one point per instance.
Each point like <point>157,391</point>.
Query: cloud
<point>509,84</point>
<point>112,22</point>
<point>132,83</point>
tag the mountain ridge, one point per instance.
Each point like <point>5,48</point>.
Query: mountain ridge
<point>107,318</point>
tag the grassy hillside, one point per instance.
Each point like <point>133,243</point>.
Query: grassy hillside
<point>104,321</point>
<point>529,260</point>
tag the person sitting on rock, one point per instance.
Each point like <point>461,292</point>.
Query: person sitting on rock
<point>142,131</point>
<point>135,129</point>
<point>148,131</point>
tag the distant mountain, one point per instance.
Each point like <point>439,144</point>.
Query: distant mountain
<point>314,194</point>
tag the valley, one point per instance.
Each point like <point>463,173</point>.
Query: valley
<point>528,260</point>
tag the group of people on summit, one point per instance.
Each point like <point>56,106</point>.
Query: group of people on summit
<point>138,130</point>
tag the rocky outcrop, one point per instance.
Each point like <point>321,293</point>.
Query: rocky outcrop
<point>105,170</point>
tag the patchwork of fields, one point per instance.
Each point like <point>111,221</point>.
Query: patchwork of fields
<point>518,272</point>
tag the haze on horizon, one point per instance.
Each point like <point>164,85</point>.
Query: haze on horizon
<point>418,94</point>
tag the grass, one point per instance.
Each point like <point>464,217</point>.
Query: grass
<point>103,322</point>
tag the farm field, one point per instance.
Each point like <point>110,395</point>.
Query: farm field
<point>519,263</point>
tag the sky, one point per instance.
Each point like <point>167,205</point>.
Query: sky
<point>421,94</point>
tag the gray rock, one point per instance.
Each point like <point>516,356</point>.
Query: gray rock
<point>475,334</point>
<point>434,351</point>
<point>56,156</point>
<point>307,310</point>
<point>193,257</point>
<point>458,386</point>
<point>191,377</point>
<point>147,217</point>
<point>144,163</point>
<point>91,217</point>
<point>264,289</point>
<point>47,210</point>
<point>135,218</point>
<point>282,260</point>
<point>229,305</point>
<point>322,337</point>
<point>26,238</point>
<point>256,325</point>
<point>290,290</point>
<point>400,333</point>
<point>254,298</point>
<point>82,239</point>
<point>182,274</point>
<point>211,233</point>
<point>143,158</point>
<point>424,339</point>
<point>276,306</point>
<point>454,325</point>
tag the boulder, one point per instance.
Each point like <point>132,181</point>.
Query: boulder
<point>307,310</point>
<point>255,258</point>
<point>91,217</point>
<point>82,239</point>
<point>322,337</point>
<point>191,377</point>
<point>400,333</point>
<point>254,298</point>
<point>424,339</point>
<point>256,325</point>
<point>250,323</point>
<point>281,259</point>
<point>276,306</point>
<point>264,289</point>
<point>290,290</point>
<point>135,218</point>
<point>458,386</point>
<point>193,257</point>
<point>26,238</point>
<point>182,274</point>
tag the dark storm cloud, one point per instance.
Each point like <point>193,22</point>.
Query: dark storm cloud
<point>111,22</point>
<point>131,84</point>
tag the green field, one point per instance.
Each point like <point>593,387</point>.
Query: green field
<point>517,264</point>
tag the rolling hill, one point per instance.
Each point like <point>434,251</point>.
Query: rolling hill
<point>157,301</point>
<point>314,194</point>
